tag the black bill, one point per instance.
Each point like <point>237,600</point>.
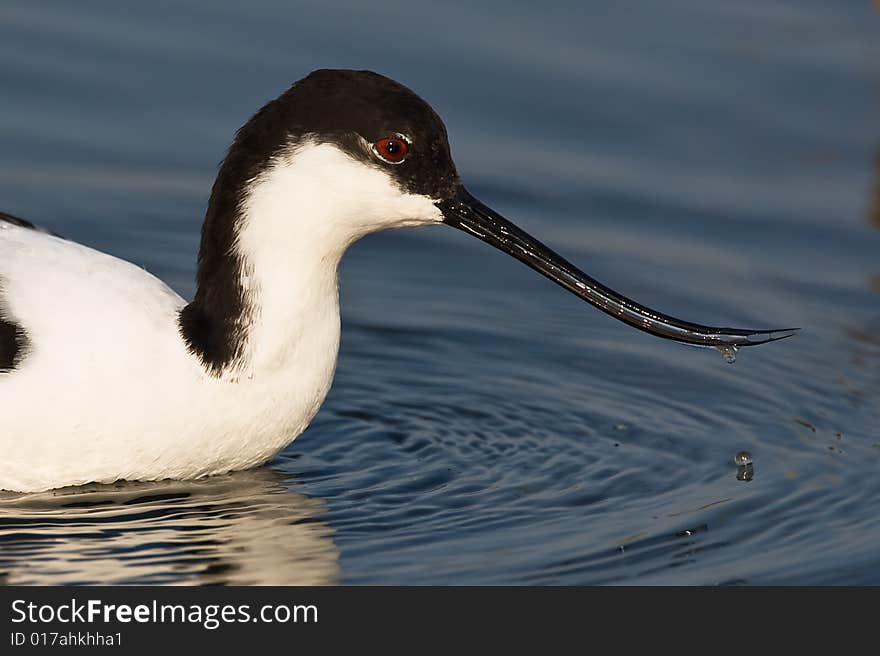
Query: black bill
<point>465,212</point>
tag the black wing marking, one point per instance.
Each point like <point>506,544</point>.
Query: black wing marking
<point>21,223</point>
<point>13,339</point>
<point>13,343</point>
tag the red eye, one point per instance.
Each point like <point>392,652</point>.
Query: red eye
<point>391,149</point>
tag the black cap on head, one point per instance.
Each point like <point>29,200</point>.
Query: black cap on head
<point>342,107</point>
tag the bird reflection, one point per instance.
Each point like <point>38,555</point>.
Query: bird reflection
<point>247,528</point>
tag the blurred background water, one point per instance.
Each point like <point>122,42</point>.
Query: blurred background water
<point>718,161</point>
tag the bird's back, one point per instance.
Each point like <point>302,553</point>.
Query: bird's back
<point>77,306</point>
<point>92,337</point>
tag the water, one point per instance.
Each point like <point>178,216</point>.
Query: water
<point>718,161</point>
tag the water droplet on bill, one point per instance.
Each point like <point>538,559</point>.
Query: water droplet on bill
<point>728,353</point>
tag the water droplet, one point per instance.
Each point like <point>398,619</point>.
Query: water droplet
<point>728,353</point>
<point>745,473</point>
<point>743,458</point>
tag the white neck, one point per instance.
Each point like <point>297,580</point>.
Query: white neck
<point>297,219</point>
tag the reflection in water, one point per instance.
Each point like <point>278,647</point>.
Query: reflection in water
<point>246,528</point>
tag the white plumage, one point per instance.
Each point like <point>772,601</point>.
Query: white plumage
<point>108,389</point>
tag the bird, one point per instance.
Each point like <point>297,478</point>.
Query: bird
<point>107,374</point>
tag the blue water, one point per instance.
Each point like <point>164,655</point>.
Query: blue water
<point>718,161</point>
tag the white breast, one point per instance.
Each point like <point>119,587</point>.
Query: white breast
<point>109,390</point>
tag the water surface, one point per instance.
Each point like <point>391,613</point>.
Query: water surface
<point>718,161</point>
